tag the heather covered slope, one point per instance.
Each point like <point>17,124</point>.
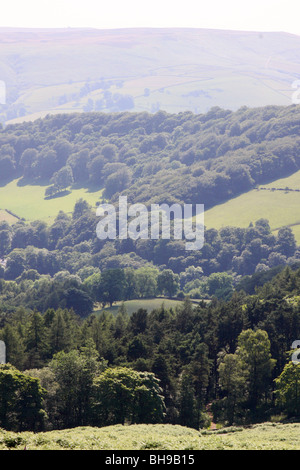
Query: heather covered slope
<point>267,436</point>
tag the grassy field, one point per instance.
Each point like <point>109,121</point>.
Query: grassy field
<point>281,208</point>
<point>7,217</point>
<point>148,304</point>
<point>267,436</point>
<point>28,201</point>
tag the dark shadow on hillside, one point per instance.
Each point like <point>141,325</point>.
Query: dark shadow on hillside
<point>8,179</point>
<point>5,181</point>
<point>29,181</point>
<point>57,195</point>
<point>254,186</point>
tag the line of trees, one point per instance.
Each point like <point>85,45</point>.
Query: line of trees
<point>71,244</point>
<point>79,390</point>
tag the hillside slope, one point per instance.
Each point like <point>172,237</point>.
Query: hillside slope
<point>278,202</point>
<point>67,70</point>
<point>150,158</point>
<point>265,436</point>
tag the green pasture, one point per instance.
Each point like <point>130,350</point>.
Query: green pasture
<point>147,304</point>
<point>5,216</point>
<point>29,201</point>
<point>281,208</point>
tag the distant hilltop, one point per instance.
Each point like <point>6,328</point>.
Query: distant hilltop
<point>50,71</point>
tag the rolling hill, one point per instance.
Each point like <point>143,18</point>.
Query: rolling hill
<point>278,202</point>
<point>232,162</point>
<point>68,70</point>
<point>243,163</point>
<point>29,202</point>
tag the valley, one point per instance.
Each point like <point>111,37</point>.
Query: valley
<point>118,343</point>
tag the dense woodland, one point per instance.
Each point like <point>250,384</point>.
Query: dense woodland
<point>66,265</point>
<point>183,157</point>
<point>66,371</point>
<point>69,366</point>
<point>161,158</point>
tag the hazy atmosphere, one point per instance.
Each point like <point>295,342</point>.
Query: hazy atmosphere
<point>257,15</point>
<point>149,228</point>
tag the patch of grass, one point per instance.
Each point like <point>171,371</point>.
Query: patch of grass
<point>150,445</point>
<point>4,215</point>
<point>29,201</point>
<point>148,304</point>
<point>279,207</point>
<point>11,442</point>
